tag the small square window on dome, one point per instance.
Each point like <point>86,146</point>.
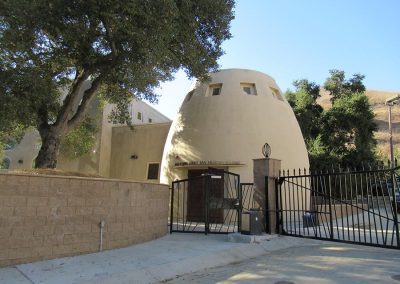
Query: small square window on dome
<point>248,89</point>
<point>215,89</point>
<point>276,93</point>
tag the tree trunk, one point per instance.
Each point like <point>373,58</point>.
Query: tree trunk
<point>48,153</point>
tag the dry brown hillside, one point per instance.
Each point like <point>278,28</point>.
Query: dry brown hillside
<point>377,100</point>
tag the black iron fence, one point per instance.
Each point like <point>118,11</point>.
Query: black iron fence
<point>348,206</point>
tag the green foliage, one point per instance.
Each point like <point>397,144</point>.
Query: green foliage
<point>80,141</point>
<point>338,86</point>
<point>4,163</point>
<point>305,107</point>
<point>10,136</point>
<point>341,135</point>
<point>317,152</point>
<point>49,50</point>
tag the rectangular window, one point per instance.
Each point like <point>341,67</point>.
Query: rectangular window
<point>152,170</point>
<point>276,94</point>
<point>215,89</point>
<point>139,115</point>
<point>248,89</point>
<point>150,120</point>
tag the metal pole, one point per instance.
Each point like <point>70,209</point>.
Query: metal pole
<point>239,211</point>
<point>171,218</point>
<point>330,207</point>
<point>207,180</point>
<point>394,203</point>
<point>279,210</point>
<point>391,136</point>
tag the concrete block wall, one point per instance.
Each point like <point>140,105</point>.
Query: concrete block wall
<point>44,217</point>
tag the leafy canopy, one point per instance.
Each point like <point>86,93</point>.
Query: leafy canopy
<point>80,140</point>
<point>125,48</point>
<point>342,134</point>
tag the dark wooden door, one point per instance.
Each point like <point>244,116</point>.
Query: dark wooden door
<point>196,198</point>
<point>196,195</point>
<point>216,200</point>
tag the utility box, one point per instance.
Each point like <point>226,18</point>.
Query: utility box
<point>251,222</point>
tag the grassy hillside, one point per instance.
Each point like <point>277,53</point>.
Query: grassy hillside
<point>377,100</point>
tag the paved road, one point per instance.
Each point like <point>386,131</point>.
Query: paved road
<point>322,263</point>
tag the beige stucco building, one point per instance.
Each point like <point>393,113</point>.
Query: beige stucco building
<point>224,123</point>
<point>119,152</point>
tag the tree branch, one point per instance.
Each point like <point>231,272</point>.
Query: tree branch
<point>110,38</point>
<point>71,99</point>
<point>88,95</point>
<point>43,116</point>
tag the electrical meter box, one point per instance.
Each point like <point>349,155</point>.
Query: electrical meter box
<point>251,222</point>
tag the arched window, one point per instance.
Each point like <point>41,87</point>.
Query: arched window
<point>5,164</point>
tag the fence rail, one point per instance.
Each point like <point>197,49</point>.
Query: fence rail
<point>349,206</point>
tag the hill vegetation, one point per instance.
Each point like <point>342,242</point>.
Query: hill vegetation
<point>377,100</point>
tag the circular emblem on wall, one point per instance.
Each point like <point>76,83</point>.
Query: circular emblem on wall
<point>266,150</point>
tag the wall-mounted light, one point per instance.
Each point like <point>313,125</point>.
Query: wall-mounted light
<point>266,150</point>
<point>134,157</point>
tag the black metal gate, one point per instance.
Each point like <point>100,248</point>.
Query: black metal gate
<point>210,203</point>
<point>358,207</point>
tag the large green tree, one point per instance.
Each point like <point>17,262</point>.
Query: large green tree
<point>342,134</point>
<point>304,103</point>
<point>125,48</point>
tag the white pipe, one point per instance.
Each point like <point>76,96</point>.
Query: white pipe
<point>101,235</point>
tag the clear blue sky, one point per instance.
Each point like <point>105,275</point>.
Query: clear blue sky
<point>292,39</point>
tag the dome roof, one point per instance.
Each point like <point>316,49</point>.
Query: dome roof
<point>228,119</point>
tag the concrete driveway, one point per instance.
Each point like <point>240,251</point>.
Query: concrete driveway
<point>183,258</point>
<point>310,262</point>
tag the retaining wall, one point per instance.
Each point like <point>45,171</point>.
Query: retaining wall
<point>44,217</point>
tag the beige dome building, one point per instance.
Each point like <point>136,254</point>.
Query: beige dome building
<point>224,123</point>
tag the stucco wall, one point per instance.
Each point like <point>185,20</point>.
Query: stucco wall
<point>145,142</point>
<point>44,217</point>
<point>22,156</point>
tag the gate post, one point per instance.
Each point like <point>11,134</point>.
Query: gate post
<point>265,172</point>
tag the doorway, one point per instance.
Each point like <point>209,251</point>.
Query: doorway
<point>197,194</point>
